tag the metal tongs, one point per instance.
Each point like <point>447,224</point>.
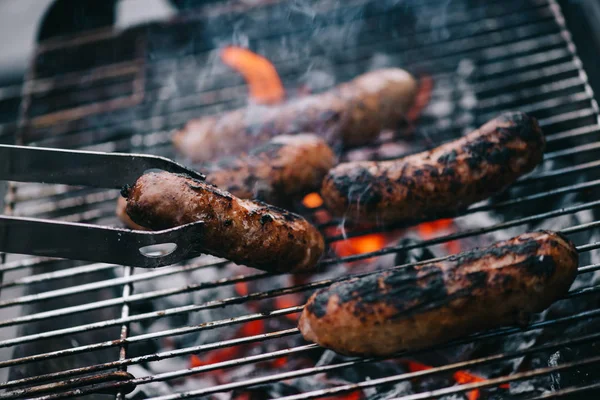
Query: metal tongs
<point>86,242</point>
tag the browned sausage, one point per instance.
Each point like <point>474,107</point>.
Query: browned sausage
<point>283,169</point>
<point>445,179</point>
<point>122,214</point>
<point>287,167</point>
<point>419,306</point>
<point>246,232</point>
<point>352,113</point>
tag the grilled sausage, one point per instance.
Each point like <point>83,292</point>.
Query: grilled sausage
<point>352,113</point>
<point>122,214</point>
<point>246,232</point>
<point>285,168</point>
<point>443,180</point>
<point>419,306</point>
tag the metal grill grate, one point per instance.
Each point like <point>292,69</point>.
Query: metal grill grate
<point>77,328</point>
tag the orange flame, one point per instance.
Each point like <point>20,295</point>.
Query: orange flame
<point>312,200</point>
<point>263,81</point>
<point>360,244</point>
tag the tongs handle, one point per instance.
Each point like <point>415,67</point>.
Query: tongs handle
<point>94,243</point>
<point>81,168</point>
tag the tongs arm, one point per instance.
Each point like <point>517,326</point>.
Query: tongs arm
<point>81,168</point>
<point>95,243</point>
<point>87,242</point>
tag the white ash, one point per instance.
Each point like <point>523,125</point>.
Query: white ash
<point>403,388</point>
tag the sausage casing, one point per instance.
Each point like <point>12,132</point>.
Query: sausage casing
<point>445,179</point>
<point>284,169</point>
<point>420,306</point>
<point>352,113</point>
<point>246,232</point>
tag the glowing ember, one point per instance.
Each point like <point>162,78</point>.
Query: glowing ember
<point>360,245</point>
<point>241,288</point>
<point>356,395</point>
<point>460,377</point>
<point>429,230</point>
<point>253,328</point>
<point>263,81</point>
<point>279,362</point>
<point>287,301</point>
<point>312,200</point>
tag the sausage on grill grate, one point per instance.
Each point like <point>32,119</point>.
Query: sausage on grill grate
<point>278,172</point>
<point>440,181</point>
<point>419,306</point>
<point>246,232</point>
<point>352,113</point>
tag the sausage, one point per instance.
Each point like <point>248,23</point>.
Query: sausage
<point>246,232</point>
<point>352,113</point>
<point>122,214</point>
<point>281,170</point>
<point>286,167</point>
<point>440,181</point>
<point>420,306</point>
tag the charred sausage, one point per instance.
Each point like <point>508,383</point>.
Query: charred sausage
<point>246,232</point>
<point>283,169</point>
<point>443,180</point>
<point>352,113</point>
<point>420,306</point>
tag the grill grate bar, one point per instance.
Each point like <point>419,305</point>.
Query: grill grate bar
<point>510,46</point>
<point>193,266</point>
<point>147,125</point>
<point>446,368</point>
<point>210,325</point>
<point>105,284</point>
<point>173,353</point>
<point>63,273</point>
<point>473,210</point>
<point>567,392</point>
<point>471,232</point>
<point>572,133</point>
<point>451,368</point>
<point>438,393</point>
<point>127,290</point>
<point>310,347</point>
<point>226,343</point>
<point>173,270</point>
<point>560,77</point>
<point>111,196</point>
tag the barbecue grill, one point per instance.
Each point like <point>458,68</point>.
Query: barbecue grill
<point>207,328</point>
